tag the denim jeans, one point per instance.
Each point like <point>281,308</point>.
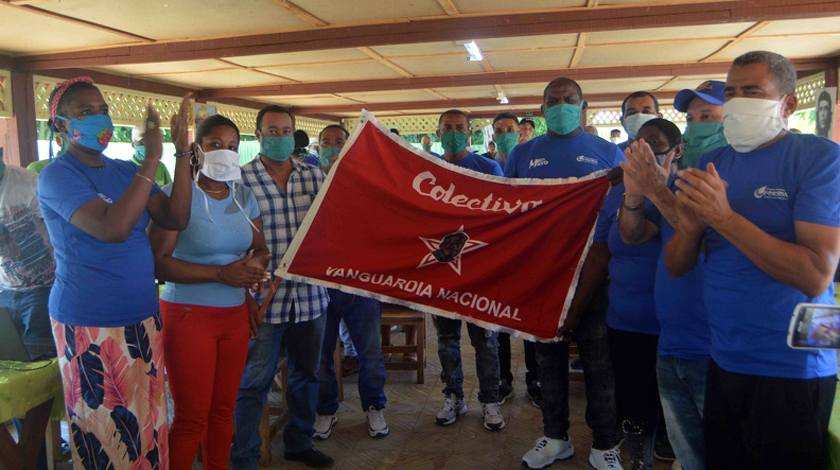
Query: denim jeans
<point>29,310</point>
<point>363,317</point>
<point>302,342</point>
<point>682,388</point>
<point>591,338</point>
<point>486,344</point>
<point>344,334</point>
<point>532,368</point>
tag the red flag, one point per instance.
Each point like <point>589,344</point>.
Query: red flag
<point>397,224</point>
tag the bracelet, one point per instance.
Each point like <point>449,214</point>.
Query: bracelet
<point>188,153</point>
<point>145,178</point>
<point>219,273</point>
<point>631,208</point>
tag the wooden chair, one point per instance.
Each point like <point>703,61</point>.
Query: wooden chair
<point>414,324</point>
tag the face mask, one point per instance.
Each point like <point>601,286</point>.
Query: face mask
<point>327,155</point>
<point>2,169</point>
<point>613,139</point>
<point>454,142</point>
<point>221,165</point>
<point>661,157</point>
<point>140,153</point>
<point>633,123</point>
<point>506,142</point>
<point>563,118</point>
<point>93,132</point>
<point>277,148</point>
<point>700,138</point>
<point>427,147</point>
<point>750,122</point>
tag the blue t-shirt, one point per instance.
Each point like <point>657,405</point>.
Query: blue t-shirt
<point>795,179</point>
<point>218,239</point>
<point>680,310</point>
<point>474,161</point>
<point>550,157</point>
<point>632,272</point>
<point>312,160</point>
<point>96,283</point>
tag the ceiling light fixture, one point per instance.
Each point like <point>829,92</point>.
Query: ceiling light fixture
<point>475,52</point>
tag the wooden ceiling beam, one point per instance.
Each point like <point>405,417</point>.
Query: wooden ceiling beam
<point>449,7</point>
<point>301,13</point>
<point>495,78</point>
<point>146,86</point>
<point>463,103</point>
<point>441,29</point>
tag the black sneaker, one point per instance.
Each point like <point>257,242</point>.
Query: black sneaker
<point>311,458</point>
<point>505,390</point>
<point>534,393</point>
<point>662,448</point>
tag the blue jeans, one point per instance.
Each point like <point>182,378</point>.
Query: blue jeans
<point>682,388</point>
<point>29,310</point>
<point>486,344</point>
<point>302,342</point>
<point>363,317</point>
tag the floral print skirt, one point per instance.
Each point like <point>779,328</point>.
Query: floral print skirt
<point>115,394</point>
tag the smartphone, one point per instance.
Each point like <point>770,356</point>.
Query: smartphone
<point>815,326</point>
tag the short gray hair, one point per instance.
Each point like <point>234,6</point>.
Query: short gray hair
<point>782,69</point>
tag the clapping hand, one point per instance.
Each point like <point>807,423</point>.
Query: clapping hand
<point>704,192</point>
<point>642,173</point>
<point>180,124</point>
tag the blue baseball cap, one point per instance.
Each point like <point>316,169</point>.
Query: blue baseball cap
<point>710,91</point>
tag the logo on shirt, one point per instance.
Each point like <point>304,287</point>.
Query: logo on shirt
<point>449,249</point>
<point>537,163</point>
<point>589,160</point>
<point>764,192</point>
<point>105,198</point>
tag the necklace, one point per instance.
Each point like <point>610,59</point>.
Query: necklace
<point>213,192</point>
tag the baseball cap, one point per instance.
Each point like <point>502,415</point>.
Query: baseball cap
<point>710,91</point>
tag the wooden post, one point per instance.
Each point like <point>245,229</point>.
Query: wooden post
<point>20,131</point>
<point>831,80</point>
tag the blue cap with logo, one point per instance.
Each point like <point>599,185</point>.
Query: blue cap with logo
<point>710,91</point>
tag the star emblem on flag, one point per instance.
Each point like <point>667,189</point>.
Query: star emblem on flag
<point>449,249</point>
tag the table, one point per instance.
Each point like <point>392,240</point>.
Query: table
<point>30,390</point>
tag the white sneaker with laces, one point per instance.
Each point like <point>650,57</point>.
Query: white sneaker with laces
<point>609,459</point>
<point>323,426</point>
<point>452,408</point>
<point>546,451</point>
<point>493,419</point>
<point>377,426</point>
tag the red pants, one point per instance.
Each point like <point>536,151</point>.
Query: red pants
<point>205,350</point>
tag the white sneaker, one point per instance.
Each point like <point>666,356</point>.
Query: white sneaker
<point>377,427</point>
<point>452,408</point>
<point>324,426</point>
<point>546,451</point>
<point>493,419</point>
<point>606,459</point>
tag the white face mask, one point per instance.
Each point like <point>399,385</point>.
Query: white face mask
<point>633,123</point>
<point>750,122</point>
<point>613,139</point>
<point>221,165</point>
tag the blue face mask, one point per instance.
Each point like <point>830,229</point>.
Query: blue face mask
<point>93,132</point>
<point>140,153</point>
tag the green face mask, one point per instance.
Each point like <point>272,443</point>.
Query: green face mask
<point>563,118</point>
<point>325,156</point>
<point>506,142</point>
<point>427,147</point>
<point>454,142</point>
<point>2,169</point>
<point>277,148</point>
<point>700,138</point>
<point>140,153</point>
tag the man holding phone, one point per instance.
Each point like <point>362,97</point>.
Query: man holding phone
<point>767,210</point>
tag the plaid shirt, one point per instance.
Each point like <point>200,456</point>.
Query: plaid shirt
<point>282,213</point>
